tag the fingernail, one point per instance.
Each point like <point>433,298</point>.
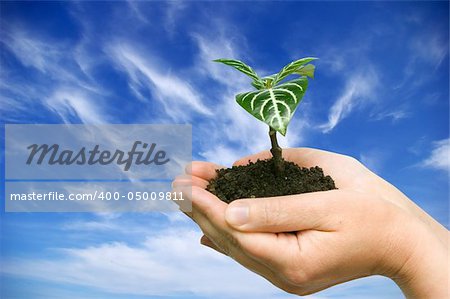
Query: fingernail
<point>237,214</point>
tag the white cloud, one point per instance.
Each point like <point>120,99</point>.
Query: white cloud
<point>221,154</point>
<point>168,263</point>
<point>220,46</point>
<point>58,84</point>
<point>434,52</point>
<point>31,51</point>
<point>426,52</point>
<point>172,13</point>
<point>118,224</point>
<point>53,59</point>
<point>440,156</point>
<point>179,99</point>
<point>74,103</point>
<point>393,115</point>
<point>136,12</point>
<point>90,226</point>
<point>359,89</point>
<point>176,218</point>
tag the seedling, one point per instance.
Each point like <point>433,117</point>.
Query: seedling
<point>275,99</point>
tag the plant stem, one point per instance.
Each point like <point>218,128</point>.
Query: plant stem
<point>276,152</point>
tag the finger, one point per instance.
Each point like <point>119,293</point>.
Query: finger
<point>181,191</point>
<point>219,239</point>
<point>204,170</point>
<point>209,214</point>
<point>206,203</point>
<point>315,210</point>
<point>189,180</point>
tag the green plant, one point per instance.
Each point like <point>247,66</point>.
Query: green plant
<point>276,99</point>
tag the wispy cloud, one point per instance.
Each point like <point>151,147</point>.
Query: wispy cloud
<point>358,90</point>
<point>393,115</point>
<point>175,94</point>
<point>173,10</point>
<point>72,105</point>
<point>440,156</point>
<point>170,262</point>
<point>54,59</point>
<point>134,7</point>
<point>214,45</point>
<point>423,60</point>
<point>434,52</point>
<point>31,51</point>
<point>58,84</point>
<point>167,262</point>
<point>222,154</point>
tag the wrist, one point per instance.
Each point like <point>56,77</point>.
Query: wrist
<point>422,263</point>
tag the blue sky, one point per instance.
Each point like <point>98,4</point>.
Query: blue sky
<point>380,94</point>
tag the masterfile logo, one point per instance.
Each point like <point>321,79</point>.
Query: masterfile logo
<point>77,152</point>
<point>100,168</point>
<point>51,154</point>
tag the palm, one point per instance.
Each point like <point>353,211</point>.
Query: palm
<point>335,235</point>
<point>264,246</point>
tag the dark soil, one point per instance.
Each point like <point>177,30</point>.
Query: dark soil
<point>259,180</point>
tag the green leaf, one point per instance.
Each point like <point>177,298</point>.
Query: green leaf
<point>291,68</point>
<point>257,85</point>
<point>244,68</point>
<point>306,70</point>
<point>275,106</point>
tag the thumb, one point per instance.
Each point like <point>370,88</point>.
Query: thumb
<point>284,213</point>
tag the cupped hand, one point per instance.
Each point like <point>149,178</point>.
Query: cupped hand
<point>308,242</point>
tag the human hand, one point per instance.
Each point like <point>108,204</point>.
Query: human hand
<point>365,227</point>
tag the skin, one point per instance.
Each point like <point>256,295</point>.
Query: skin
<point>308,242</point>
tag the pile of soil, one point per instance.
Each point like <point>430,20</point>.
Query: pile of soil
<point>258,179</point>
